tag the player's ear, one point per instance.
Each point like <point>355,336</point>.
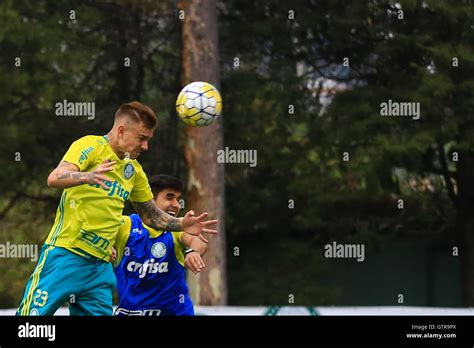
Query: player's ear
<point>121,130</point>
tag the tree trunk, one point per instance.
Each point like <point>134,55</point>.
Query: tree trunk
<point>205,190</point>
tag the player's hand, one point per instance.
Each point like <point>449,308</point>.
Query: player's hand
<point>113,257</point>
<point>97,176</point>
<point>193,261</point>
<point>196,225</point>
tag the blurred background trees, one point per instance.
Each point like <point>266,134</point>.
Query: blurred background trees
<point>302,83</point>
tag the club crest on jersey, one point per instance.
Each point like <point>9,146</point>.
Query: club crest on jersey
<point>128,171</point>
<point>158,250</point>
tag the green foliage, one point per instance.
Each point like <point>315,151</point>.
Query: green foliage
<point>301,155</point>
<point>283,62</point>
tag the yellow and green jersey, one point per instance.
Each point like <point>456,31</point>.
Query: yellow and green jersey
<point>89,217</point>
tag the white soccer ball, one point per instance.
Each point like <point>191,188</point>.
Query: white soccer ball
<point>198,104</point>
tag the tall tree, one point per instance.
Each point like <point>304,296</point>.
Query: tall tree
<point>205,191</point>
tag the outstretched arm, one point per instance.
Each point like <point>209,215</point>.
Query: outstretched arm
<point>154,217</point>
<point>158,219</point>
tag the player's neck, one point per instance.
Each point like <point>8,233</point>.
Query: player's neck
<point>113,144</point>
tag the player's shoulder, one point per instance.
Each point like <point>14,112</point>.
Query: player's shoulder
<point>92,140</point>
<point>126,219</point>
<point>133,217</point>
<point>177,237</point>
<point>130,223</point>
<point>125,225</point>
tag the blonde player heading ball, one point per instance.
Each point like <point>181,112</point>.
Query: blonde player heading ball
<point>97,175</point>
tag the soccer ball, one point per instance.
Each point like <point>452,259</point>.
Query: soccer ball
<point>198,104</point>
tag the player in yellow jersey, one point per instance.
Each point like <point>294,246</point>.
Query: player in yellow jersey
<point>98,174</point>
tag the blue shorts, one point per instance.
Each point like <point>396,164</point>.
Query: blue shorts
<point>86,284</point>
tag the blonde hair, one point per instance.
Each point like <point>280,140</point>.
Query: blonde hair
<point>137,112</point>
